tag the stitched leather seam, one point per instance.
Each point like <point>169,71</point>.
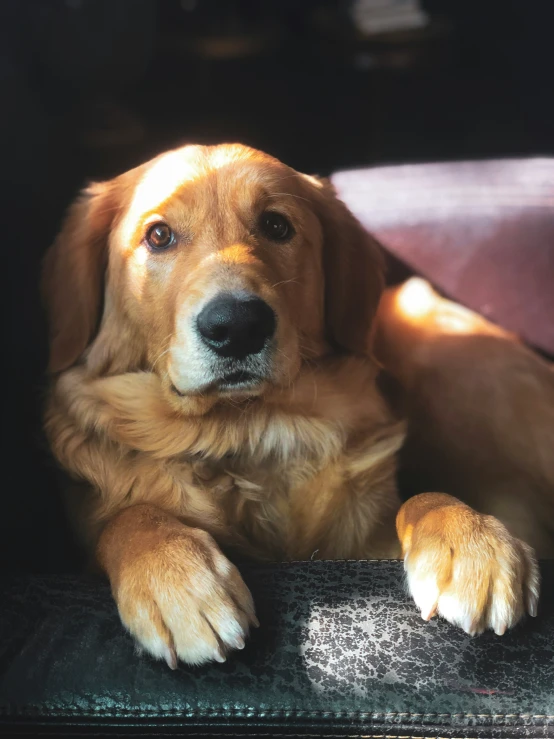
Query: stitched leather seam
<point>278,736</point>
<point>269,713</point>
<point>347,736</point>
<point>147,732</point>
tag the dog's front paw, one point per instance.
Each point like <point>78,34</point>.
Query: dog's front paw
<point>467,567</point>
<point>183,599</point>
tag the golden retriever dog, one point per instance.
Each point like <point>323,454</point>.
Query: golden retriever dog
<point>214,389</point>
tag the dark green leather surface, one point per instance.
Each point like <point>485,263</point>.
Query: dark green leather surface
<point>341,651</point>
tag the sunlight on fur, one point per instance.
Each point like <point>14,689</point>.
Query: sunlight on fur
<point>416,298</point>
<point>416,301</point>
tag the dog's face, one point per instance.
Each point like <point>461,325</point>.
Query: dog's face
<point>219,268</point>
<point>219,261</point>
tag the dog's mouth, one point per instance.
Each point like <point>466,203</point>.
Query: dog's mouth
<point>238,380</point>
<point>231,382</point>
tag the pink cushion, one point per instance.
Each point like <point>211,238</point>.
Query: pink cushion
<point>481,232</point>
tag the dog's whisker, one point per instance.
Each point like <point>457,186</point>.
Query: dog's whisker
<point>285,282</point>
<point>283,354</point>
<point>287,194</point>
<point>159,357</point>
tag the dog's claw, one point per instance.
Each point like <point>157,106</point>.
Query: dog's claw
<point>171,658</point>
<point>219,657</point>
<point>427,616</point>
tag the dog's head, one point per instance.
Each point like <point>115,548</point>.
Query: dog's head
<point>219,268</point>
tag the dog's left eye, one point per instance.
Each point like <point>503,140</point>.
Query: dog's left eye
<point>275,226</point>
<point>159,236</point>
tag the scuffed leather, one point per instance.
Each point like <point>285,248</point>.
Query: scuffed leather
<point>341,651</point>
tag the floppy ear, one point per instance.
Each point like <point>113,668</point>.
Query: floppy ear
<point>353,267</point>
<point>73,274</point>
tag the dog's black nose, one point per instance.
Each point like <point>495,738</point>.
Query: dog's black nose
<point>236,325</point>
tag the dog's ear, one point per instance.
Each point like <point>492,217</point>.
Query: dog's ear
<point>353,267</point>
<point>73,273</point>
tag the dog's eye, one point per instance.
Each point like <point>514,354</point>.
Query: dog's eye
<point>159,236</point>
<point>275,226</point>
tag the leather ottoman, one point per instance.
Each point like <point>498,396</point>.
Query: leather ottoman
<point>341,651</point>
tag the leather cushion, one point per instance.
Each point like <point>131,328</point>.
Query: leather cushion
<point>341,651</point>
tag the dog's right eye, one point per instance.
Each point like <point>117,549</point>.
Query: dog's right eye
<point>159,236</point>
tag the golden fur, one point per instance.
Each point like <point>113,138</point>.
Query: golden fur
<point>481,409</point>
<point>303,462</point>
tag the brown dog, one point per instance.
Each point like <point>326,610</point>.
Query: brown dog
<point>211,318</point>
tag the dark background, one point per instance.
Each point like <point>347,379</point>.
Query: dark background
<point>90,88</point>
